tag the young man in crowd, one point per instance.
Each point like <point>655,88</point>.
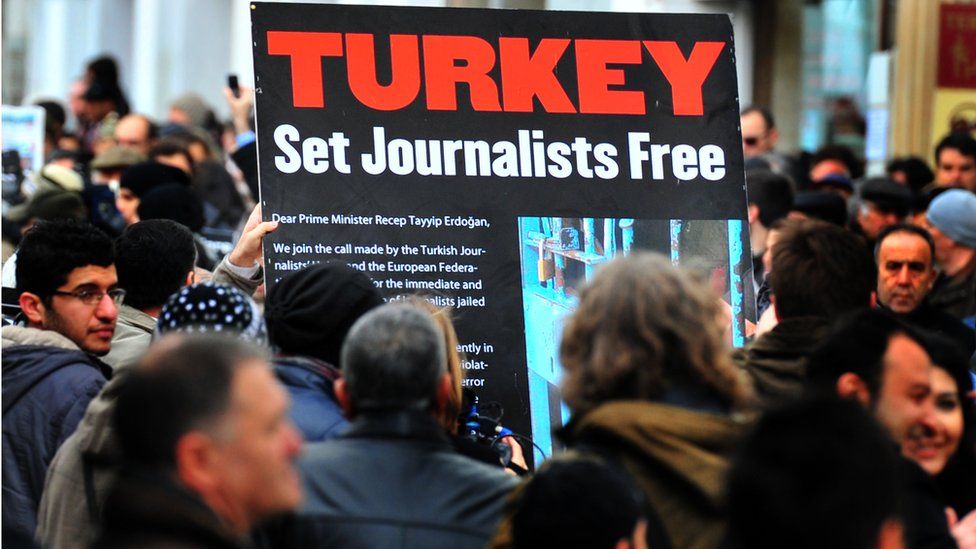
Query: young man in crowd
<point>819,271</point>
<point>392,479</point>
<point>955,162</point>
<point>881,363</point>
<point>69,296</point>
<point>203,427</point>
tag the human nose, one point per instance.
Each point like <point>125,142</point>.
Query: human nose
<point>904,276</point>
<point>293,441</point>
<point>107,310</point>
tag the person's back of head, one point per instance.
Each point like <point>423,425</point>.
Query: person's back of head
<point>176,202</point>
<point>910,171</point>
<point>309,312</point>
<point>393,359</point>
<point>212,308</point>
<point>821,270</point>
<point>154,259</point>
<point>643,328</point>
<point>52,249</point>
<point>817,474</point>
<point>575,501</point>
<point>771,193</point>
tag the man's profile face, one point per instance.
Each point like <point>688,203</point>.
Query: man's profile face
<point>902,404</point>
<point>905,273</point>
<point>873,220</point>
<point>953,169</point>
<point>90,327</point>
<point>757,139</point>
<point>127,203</point>
<point>257,460</point>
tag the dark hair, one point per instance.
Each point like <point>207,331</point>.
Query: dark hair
<point>959,141</point>
<point>905,228</point>
<point>393,357</point>
<point>52,249</point>
<point>819,473</point>
<point>955,480</point>
<point>575,501</point>
<point>841,154</point>
<point>152,258</point>
<point>917,172</point>
<point>182,384</point>
<point>821,270</point>
<point>763,111</point>
<point>54,114</point>
<point>771,192</point>
<point>169,146</point>
<point>856,344</point>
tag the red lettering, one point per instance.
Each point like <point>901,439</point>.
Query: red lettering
<point>442,74</point>
<point>595,77</point>
<point>686,77</point>
<point>306,50</point>
<point>525,76</point>
<point>405,71</point>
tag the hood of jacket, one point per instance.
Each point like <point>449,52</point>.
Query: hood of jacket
<point>691,446</point>
<point>30,355</point>
<point>776,361</point>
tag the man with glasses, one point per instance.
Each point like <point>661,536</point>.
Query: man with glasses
<point>69,298</point>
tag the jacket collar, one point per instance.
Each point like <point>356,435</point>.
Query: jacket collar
<point>24,335</point>
<point>397,424</point>
<point>137,319</point>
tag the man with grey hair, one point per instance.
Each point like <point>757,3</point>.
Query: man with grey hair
<point>392,479</point>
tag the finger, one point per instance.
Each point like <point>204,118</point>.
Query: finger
<point>264,228</point>
<point>951,516</point>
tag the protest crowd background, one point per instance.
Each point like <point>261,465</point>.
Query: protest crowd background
<point>155,393</point>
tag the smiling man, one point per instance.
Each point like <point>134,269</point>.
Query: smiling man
<point>68,295</point>
<point>906,274</point>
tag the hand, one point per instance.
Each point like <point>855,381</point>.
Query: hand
<point>964,530</point>
<point>240,108</point>
<point>518,458</point>
<point>248,251</point>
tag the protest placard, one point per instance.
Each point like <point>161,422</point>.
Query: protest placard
<point>493,159</point>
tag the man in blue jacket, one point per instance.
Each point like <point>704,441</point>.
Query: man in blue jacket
<point>69,298</point>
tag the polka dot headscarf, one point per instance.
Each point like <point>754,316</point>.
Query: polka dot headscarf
<point>212,308</point>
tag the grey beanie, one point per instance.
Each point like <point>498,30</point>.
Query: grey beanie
<point>954,213</point>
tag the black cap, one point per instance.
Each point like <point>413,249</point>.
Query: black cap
<point>824,205</point>
<point>887,196</point>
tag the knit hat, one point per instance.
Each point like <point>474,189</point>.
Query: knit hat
<point>954,213</point>
<point>117,158</point>
<point>173,201</point>
<point>194,107</point>
<point>144,176</point>
<point>212,308</point>
<point>310,312</point>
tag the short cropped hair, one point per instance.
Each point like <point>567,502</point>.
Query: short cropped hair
<point>819,473</point>
<point>642,326</point>
<point>772,193</point>
<point>821,270</point>
<point>905,228</point>
<point>52,249</point>
<point>856,344</point>
<point>152,258</point>
<point>182,384</point>
<point>766,114</point>
<point>393,358</point>
<point>959,141</point>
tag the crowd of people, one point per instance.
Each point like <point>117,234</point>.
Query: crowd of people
<point>155,395</point>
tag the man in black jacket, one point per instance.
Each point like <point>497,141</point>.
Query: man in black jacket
<point>905,256</point>
<point>392,479</point>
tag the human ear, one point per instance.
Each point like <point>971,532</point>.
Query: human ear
<point>850,385</point>
<point>343,397</point>
<point>33,308</point>
<point>196,461</point>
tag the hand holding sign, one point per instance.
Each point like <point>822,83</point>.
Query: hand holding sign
<point>248,251</point>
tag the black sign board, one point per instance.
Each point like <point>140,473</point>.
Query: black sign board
<point>492,159</point>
